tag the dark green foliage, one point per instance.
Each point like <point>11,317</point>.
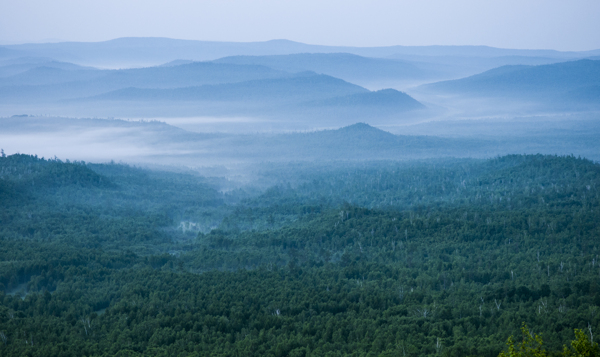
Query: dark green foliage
<point>411,259</point>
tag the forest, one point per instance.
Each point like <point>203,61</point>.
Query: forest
<point>433,257</point>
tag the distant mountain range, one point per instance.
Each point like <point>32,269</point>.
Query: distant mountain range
<point>279,79</point>
<point>415,63</point>
<point>209,87</point>
<point>126,52</point>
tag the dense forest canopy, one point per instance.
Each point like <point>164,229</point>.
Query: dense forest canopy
<point>434,257</point>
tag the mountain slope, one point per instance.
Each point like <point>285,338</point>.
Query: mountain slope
<point>15,66</point>
<point>307,86</point>
<point>588,97</point>
<point>355,142</point>
<point>382,99</point>
<point>50,75</point>
<point>48,84</point>
<point>191,74</point>
<point>342,65</point>
<point>518,80</point>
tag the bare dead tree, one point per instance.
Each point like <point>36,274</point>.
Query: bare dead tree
<point>561,308</point>
<point>425,311</point>
<point>544,305</point>
<point>497,304</point>
<point>87,325</point>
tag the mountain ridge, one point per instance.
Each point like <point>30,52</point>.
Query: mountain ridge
<point>547,83</point>
<point>381,99</point>
<point>156,50</point>
<point>343,65</point>
<point>299,87</point>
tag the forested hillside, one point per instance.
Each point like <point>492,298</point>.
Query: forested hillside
<point>437,257</point>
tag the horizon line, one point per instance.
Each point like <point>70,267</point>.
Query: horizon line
<point>60,41</point>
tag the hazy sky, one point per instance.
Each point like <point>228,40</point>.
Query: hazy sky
<point>547,24</point>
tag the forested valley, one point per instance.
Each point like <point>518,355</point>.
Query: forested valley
<point>439,257</point>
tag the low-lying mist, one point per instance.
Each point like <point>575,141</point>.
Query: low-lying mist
<point>200,143</point>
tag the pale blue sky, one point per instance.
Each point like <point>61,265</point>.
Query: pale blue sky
<point>539,24</point>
